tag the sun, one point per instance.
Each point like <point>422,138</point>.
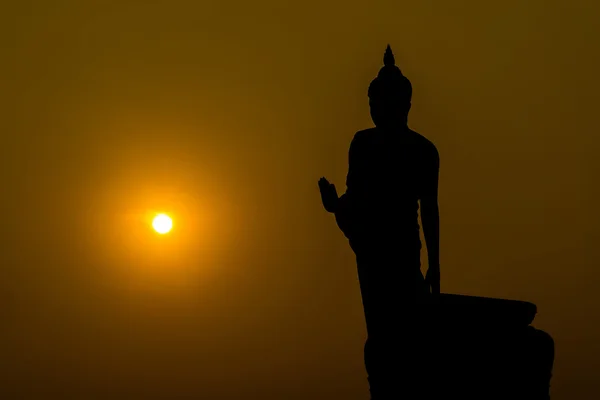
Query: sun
<point>162,223</point>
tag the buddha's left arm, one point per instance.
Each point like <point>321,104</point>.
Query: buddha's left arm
<point>430,216</point>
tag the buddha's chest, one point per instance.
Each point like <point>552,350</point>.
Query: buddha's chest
<point>392,163</point>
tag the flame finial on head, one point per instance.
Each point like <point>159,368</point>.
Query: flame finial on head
<point>388,57</point>
<point>390,80</point>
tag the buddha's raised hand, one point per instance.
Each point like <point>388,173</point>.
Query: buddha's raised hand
<point>329,195</point>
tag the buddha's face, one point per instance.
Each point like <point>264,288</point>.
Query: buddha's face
<point>388,112</point>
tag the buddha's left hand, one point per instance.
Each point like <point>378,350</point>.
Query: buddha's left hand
<point>433,279</point>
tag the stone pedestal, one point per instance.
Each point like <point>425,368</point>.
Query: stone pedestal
<point>469,348</point>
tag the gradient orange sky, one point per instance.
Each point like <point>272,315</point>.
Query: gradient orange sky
<point>224,116</point>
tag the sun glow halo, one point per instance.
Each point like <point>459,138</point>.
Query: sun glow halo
<point>162,223</point>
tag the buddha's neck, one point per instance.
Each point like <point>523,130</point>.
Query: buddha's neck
<point>396,126</point>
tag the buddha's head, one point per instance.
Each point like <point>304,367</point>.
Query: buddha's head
<point>390,94</point>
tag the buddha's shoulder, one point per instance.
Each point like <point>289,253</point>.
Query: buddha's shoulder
<point>425,144</point>
<point>364,134</point>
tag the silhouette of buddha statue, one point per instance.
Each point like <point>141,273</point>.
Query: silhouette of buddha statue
<point>392,170</point>
<point>414,351</point>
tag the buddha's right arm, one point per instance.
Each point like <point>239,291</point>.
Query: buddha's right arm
<point>353,168</point>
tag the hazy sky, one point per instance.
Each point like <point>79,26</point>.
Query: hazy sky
<point>224,115</point>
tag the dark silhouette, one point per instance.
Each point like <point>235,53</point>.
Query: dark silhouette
<point>413,330</point>
<point>391,170</point>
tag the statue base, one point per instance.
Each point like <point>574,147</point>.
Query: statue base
<point>470,348</point>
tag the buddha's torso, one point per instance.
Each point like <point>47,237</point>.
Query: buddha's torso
<point>387,179</point>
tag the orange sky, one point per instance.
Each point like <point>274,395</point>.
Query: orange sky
<point>225,116</point>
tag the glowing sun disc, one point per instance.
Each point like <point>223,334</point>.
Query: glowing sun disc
<point>162,223</point>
